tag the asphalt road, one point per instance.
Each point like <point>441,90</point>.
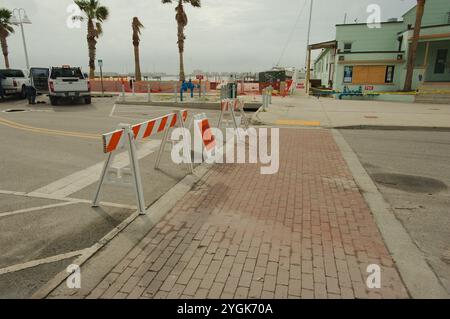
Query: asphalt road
<point>57,151</point>
<point>412,171</point>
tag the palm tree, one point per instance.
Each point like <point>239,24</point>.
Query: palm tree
<point>5,30</point>
<point>420,8</point>
<point>182,22</point>
<point>137,26</point>
<point>95,15</point>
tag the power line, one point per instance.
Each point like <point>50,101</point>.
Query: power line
<point>292,32</point>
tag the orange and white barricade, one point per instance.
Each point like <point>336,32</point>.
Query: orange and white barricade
<point>125,138</point>
<point>232,107</point>
<point>204,130</point>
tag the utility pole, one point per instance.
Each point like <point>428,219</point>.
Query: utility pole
<point>308,55</point>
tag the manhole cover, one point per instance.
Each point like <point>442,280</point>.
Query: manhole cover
<point>14,110</point>
<point>411,183</point>
<point>371,117</point>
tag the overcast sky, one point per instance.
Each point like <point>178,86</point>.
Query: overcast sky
<point>226,35</point>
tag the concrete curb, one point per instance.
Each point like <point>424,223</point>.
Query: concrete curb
<point>108,252</point>
<point>394,128</point>
<point>417,275</point>
<point>215,106</point>
<point>255,118</point>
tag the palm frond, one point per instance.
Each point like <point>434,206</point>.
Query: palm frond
<point>6,27</point>
<point>137,25</point>
<point>194,3</point>
<point>98,29</point>
<point>102,13</point>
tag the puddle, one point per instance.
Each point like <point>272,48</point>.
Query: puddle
<point>411,183</point>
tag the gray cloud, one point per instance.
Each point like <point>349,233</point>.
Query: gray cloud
<point>231,35</point>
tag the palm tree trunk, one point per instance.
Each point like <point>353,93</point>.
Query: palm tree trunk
<point>182,75</point>
<point>4,45</point>
<point>181,38</point>
<point>137,72</point>
<point>92,42</point>
<point>413,47</point>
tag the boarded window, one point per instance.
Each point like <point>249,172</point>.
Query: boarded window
<point>369,74</point>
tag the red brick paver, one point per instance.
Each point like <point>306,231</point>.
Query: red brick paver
<point>305,232</point>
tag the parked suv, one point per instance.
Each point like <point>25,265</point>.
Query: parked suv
<point>15,82</point>
<point>68,83</point>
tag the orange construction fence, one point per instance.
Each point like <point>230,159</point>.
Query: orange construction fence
<point>141,86</point>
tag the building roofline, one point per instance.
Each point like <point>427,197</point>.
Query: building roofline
<point>409,10</point>
<point>356,24</point>
<point>323,45</point>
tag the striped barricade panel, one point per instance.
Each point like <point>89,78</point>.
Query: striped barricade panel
<point>113,140</point>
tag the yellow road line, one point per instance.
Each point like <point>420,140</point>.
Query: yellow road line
<point>297,123</point>
<point>32,129</point>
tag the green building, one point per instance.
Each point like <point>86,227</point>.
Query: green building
<point>376,58</point>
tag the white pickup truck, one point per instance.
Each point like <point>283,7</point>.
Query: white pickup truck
<point>15,82</point>
<point>68,83</point>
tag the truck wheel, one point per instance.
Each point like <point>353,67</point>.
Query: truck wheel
<point>53,100</point>
<point>88,100</point>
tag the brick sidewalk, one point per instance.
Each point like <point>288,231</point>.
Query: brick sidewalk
<point>305,232</point>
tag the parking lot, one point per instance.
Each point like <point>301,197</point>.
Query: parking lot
<point>51,158</point>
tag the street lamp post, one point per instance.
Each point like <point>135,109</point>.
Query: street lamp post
<point>20,18</point>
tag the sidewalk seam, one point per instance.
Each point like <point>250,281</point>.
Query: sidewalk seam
<point>419,278</point>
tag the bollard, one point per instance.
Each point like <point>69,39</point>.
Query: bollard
<point>175,98</point>
<point>149,97</point>
<point>265,99</point>
<point>223,93</point>
<point>123,93</point>
<point>270,94</point>
<point>134,84</point>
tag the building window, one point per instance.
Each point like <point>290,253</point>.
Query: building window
<point>347,47</point>
<point>389,74</point>
<point>348,74</point>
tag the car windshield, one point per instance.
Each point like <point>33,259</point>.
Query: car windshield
<point>12,73</point>
<point>66,73</point>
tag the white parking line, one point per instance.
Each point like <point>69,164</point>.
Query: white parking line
<point>32,209</point>
<point>66,199</point>
<point>38,262</point>
<point>79,180</point>
<point>112,111</point>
